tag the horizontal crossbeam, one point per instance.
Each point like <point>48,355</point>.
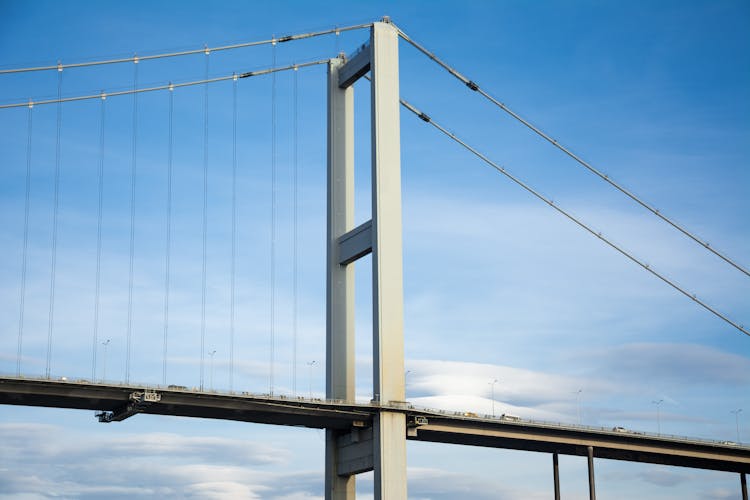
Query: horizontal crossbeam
<point>355,452</point>
<point>355,244</point>
<point>355,68</point>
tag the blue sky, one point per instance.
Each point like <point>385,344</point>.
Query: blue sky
<point>497,285</point>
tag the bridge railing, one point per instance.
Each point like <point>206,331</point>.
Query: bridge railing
<point>405,406</point>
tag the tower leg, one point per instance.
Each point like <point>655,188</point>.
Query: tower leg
<point>340,279</point>
<point>389,437</point>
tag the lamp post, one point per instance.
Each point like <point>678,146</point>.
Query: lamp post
<point>737,421</point>
<point>211,370</point>
<point>104,367</point>
<point>492,385</point>
<point>578,403</point>
<point>309,377</point>
<point>658,415</point>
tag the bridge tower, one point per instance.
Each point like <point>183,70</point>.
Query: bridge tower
<point>381,448</point>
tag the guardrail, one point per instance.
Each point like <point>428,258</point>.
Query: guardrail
<point>405,406</point>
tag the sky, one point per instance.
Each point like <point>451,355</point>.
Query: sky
<point>498,286</point>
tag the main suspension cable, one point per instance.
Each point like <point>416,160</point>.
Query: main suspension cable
<point>248,74</point>
<point>273,40</point>
<point>655,211</point>
<point>571,217</point>
<point>24,256</point>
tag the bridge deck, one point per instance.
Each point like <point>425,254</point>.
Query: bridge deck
<point>440,427</point>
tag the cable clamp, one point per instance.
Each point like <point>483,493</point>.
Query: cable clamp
<point>424,117</point>
<point>135,59</point>
<point>206,50</point>
<point>59,66</point>
<point>171,86</point>
<point>234,77</point>
<point>286,38</point>
<point>103,95</point>
<point>473,86</point>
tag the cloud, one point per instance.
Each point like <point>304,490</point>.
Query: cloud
<point>672,362</point>
<point>464,386</point>
<point>41,459</point>
<point>153,445</point>
<point>663,477</point>
<point>130,465</point>
<point>719,494</point>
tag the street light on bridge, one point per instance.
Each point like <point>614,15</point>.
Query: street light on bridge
<point>578,403</point>
<point>104,368</point>
<point>309,377</point>
<point>737,421</point>
<point>492,385</point>
<point>658,415</point>
<point>211,370</point>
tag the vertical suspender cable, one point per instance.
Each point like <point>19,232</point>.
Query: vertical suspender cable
<point>273,217</point>
<point>54,224</point>
<point>132,219</point>
<point>169,236</point>
<point>295,239</point>
<point>97,290</point>
<point>24,256</point>
<point>205,218</point>
<point>234,232</point>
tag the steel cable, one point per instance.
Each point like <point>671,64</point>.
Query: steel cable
<point>248,74</point>
<point>205,219</point>
<point>24,257</point>
<point>274,40</point>
<point>55,210</point>
<point>234,234</point>
<point>273,222</point>
<point>424,117</point>
<point>295,210</point>
<point>655,211</point>
<point>133,172</point>
<point>97,286</point>
<point>168,249</point>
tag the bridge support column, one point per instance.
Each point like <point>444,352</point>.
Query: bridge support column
<point>387,266</point>
<point>592,486</point>
<point>556,475</point>
<point>340,278</point>
<point>743,485</point>
<point>382,237</point>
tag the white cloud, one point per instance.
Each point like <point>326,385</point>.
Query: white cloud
<point>675,362</point>
<point>125,464</point>
<point>462,386</point>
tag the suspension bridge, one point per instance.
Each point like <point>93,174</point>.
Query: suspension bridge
<point>360,436</point>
